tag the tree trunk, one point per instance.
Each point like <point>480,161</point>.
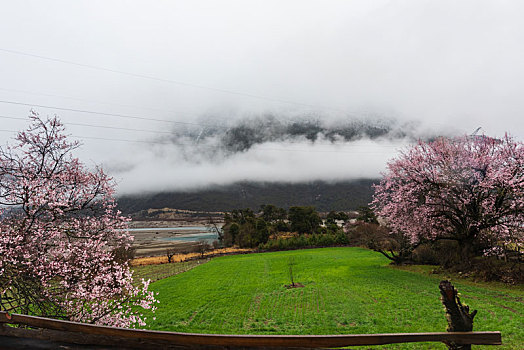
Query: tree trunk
<point>466,250</point>
<point>458,315</point>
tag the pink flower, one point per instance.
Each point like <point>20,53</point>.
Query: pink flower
<point>61,245</point>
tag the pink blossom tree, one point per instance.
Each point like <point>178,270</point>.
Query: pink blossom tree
<point>61,237</point>
<point>469,190</point>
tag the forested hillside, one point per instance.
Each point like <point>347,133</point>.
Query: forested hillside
<point>323,196</point>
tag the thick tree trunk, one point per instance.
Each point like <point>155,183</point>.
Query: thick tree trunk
<point>458,315</point>
<point>466,254</point>
<point>466,250</point>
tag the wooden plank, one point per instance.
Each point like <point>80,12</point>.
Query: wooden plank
<point>305,341</point>
<point>12,343</point>
<point>54,339</point>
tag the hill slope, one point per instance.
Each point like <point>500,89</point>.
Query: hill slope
<point>324,196</point>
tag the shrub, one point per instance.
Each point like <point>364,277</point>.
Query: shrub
<point>306,241</point>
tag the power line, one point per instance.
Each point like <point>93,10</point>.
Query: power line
<point>87,100</point>
<point>173,134</point>
<point>98,113</point>
<point>281,119</point>
<point>101,138</point>
<point>100,126</point>
<point>106,139</point>
<point>177,82</point>
<point>15,52</point>
<point>127,117</point>
<point>115,104</point>
<point>210,147</point>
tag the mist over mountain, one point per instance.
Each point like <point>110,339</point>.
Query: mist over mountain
<point>223,149</point>
<point>327,163</point>
<point>239,134</point>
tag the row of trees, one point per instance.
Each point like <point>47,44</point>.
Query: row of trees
<point>245,228</point>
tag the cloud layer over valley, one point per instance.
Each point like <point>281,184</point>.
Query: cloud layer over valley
<point>267,148</point>
<point>180,95</point>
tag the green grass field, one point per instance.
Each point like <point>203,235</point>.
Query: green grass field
<point>346,290</point>
<point>161,271</point>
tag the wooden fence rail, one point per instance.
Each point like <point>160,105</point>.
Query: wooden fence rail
<point>52,331</point>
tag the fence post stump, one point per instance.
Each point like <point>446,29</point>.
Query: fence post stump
<point>458,316</point>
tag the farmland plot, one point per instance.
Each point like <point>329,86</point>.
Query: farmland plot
<point>346,291</point>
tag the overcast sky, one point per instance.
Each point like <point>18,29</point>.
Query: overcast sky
<point>433,67</point>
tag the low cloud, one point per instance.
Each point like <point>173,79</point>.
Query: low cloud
<point>267,149</point>
<point>262,90</point>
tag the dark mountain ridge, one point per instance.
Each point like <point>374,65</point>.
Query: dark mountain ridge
<point>348,195</point>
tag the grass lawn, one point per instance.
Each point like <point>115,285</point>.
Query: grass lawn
<point>346,290</point>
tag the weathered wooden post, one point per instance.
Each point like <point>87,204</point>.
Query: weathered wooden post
<point>458,315</point>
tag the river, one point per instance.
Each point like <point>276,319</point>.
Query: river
<point>182,233</point>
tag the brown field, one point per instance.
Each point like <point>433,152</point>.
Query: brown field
<point>155,260</point>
